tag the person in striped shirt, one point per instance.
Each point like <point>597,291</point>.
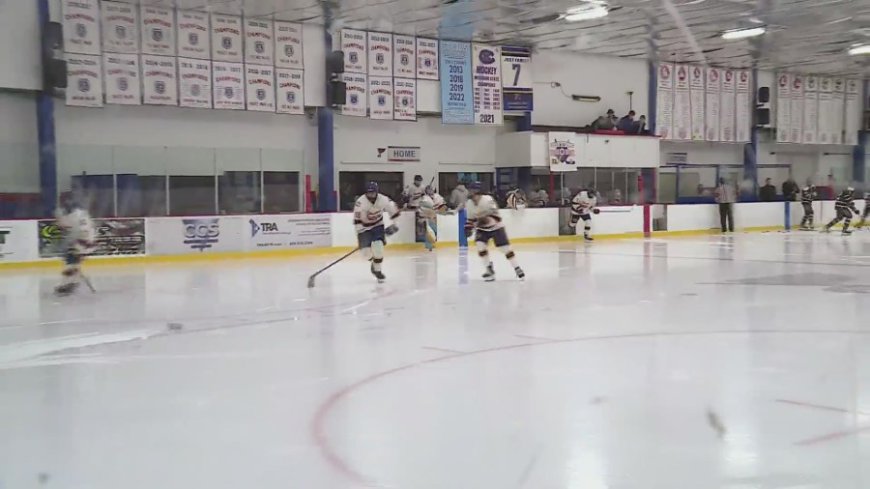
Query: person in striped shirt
<point>844,206</point>
<point>808,195</point>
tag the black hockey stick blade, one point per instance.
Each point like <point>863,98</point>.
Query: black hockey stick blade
<point>87,282</point>
<point>327,267</point>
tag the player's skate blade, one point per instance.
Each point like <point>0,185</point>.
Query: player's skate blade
<point>847,233</point>
<point>520,273</point>
<point>489,275</point>
<point>379,275</point>
<point>588,238</point>
<point>66,289</point>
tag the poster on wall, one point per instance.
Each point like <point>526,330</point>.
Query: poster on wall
<point>354,45</point>
<point>838,114</point>
<point>665,101</point>
<point>456,93</point>
<point>290,96</point>
<point>226,38</point>
<point>381,97</point>
<point>796,122</point>
<point>726,107</point>
<point>811,109</point>
<point>288,45</point>
<point>289,232</point>
<point>194,81</point>
<point>783,107</point>
<point>404,56</point>
<point>380,54</point>
<point>114,237</point>
<point>696,88</point>
<point>713,84</point>
<point>405,99</point>
<point>682,104</point>
<point>562,151</point>
<point>516,78</point>
<point>742,114</point>
<point>427,59</point>
<point>160,86</point>
<point>81,26</point>
<point>853,112</point>
<point>825,93</point>
<point>260,88</point>
<point>259,44</point>
<point>228,81</point>
<point>120,27</point>
<point>192,34</point>
<point>158,30</point>
<point>357,95</point>
<point>121,75</point>
<point>84,79</point>
<point>486,85</point>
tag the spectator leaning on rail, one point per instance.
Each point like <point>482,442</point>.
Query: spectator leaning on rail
<point>726,195</point>
<point>767,193</point>
<point>627,123</point>
<point>790,190</point>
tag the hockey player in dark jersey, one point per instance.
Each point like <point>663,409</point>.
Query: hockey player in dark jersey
<point>808,195</point>
<point>866,210</point>
<point>844,207</point>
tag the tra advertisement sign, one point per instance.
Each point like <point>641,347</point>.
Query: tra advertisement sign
<point>289,232</point>
<point>184,235</point>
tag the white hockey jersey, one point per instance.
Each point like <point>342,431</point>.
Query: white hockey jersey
<point>78,230</point>
<point>583,203</point>
<point>368,215</point>
<point>412,195</point>
<point>484,214</point>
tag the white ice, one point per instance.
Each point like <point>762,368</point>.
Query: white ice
<point>691,363</point>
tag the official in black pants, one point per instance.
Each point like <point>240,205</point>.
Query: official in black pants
<point>726,195</point>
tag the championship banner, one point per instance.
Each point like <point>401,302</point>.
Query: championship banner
<point>160,86</point>
<point>516,78</point>
<point>783,108</point>
<point>84,80</point>
<point>682,103</point>
<point>665,100</point>
<point>427,59</point>
<point>357,95</point>
<point>456,94</point>
<point>229,85</point>
<point>81,26</point>
<point>838,112</point>
<point>797,109</point>
<point>290,232</point>
<point>194,77</point>
<point>290,97</point>
<point>260,91</point>
<point>726,107</point>
<point>353,43</point>
<point>853,111</point>
<point>742,112</point>
<point>113,237</point>
<point>486,63</point>
<point>288,45</point>
<point>380,54</point>
<point>405,99</point>
<point>712,104</point>
<point>259,44</point>
<point>120,27</point>
<point>825,98</point>
<point>562,151</point>
<point>811,110</point>
<point>192,34</point>
<point>226,38</point>
<point>404,56</point>
<point>121,73</point>
<point>158,31</point>
<point>381,97</point>
<point>697,95</point>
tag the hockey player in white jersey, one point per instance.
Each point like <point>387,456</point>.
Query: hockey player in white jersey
<point>484,222</point>
<point>368,220</point>
<point>431,205</point>
<point>414,193</point>
<point>582,207</point>
<point>78,237</point>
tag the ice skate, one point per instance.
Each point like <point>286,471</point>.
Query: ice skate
<point>520,273</point>
<point>379,275</point>
<point>489,275</point>
<point>847,232</point>
<point>66,289</point>
<point>588,238</point>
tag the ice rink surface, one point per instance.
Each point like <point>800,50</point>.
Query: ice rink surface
<point>686,363</point>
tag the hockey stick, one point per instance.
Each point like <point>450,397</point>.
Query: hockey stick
<point>327,267</point>
<point>87,282</point>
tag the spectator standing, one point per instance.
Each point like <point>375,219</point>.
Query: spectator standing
<point>726,195</point>
<point>767,193</point>
<point>790,190</point>
<point>606,122</point>
<point>459,196</point>
<point>627,123</point>
<point>538,198</point>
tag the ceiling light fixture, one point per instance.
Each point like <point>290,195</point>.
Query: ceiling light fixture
<point>744,33</point>
<point>591,9</point>
<point>860,49</point>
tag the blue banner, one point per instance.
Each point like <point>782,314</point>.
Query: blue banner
<point>456,94</point>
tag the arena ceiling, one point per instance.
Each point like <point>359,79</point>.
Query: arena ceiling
<point>810,36</point>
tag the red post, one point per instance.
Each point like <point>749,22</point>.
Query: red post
<point>308,207</point>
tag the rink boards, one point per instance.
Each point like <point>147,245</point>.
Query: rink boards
<point>36,242</point>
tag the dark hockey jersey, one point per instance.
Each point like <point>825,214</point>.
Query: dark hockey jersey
<point>808,195</point>
<point>846,200</point>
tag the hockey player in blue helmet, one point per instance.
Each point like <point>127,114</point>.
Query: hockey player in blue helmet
<point>485,223</point>
<point>368,220</point>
